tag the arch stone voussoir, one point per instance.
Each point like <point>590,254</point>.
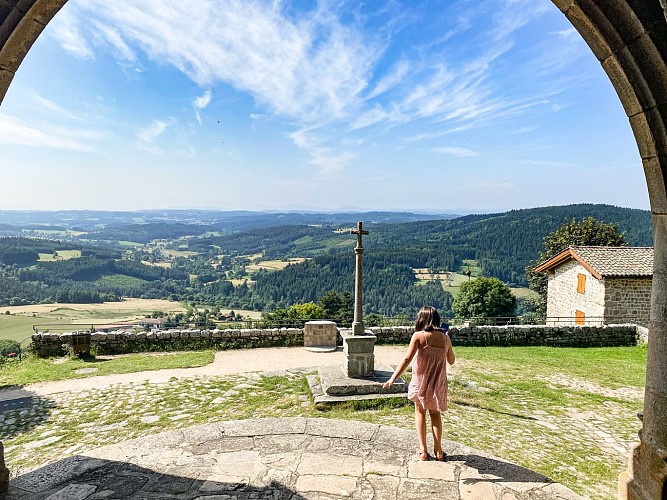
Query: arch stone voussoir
<point>655,181</point>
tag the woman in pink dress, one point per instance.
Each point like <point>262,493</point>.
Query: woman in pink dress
<point>428,387</point>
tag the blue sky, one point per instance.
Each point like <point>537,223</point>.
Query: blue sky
<point>447,106</point>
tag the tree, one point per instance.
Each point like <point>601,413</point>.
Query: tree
<point>587,232</point>
<point>484,298</point>
<point>337,306</point>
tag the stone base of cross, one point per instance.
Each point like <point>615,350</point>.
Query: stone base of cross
<point>359,353</point>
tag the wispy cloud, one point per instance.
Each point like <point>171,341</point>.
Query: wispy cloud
<point>147,136</point>
<point>113,37</point>
<point>47,106</point>
<point>200,103</point>
<point>393,78</point>
<point>456,151</point>
<point>66,29</point>
<point>13,131</point>
<point>309,69</point>
<point>329,163</point>
<point>322,72</point>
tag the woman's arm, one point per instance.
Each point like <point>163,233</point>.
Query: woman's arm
<point>451,358</point>
<point>412,350</point>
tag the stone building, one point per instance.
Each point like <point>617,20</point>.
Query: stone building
<point>591,285</point>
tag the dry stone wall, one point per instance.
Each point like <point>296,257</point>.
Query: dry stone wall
<point>119,342</point>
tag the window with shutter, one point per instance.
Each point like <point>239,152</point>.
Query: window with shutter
<point>581,283</point>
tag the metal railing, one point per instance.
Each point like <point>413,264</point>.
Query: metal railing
<point>376,321</point>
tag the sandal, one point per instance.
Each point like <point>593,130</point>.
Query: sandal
<point>440,456</point>
<point>422,455</point>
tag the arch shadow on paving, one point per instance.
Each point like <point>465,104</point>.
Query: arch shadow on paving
<point>282,458</point>
<point>31,410</point>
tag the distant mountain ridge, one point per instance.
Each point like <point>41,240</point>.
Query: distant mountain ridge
<point>224,221</point>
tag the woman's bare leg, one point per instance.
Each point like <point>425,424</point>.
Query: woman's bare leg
<point>420,424</point>
<point>436,428</point>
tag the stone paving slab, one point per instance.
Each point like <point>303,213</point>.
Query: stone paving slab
<point>290,458</point>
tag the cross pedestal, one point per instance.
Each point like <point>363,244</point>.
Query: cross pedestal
<point>359,354</point>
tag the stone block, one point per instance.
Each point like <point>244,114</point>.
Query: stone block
<point>320,334</point>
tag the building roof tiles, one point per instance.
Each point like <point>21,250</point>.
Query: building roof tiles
<point>604,262</point>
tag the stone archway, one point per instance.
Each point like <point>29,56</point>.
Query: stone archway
<point>629,38</point>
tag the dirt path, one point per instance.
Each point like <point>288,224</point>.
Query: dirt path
<point>225,363</point>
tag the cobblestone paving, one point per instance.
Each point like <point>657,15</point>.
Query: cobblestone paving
<point>291,458</point>
<point>581,440</point>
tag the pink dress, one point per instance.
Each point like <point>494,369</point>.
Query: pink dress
<point>428,386</point>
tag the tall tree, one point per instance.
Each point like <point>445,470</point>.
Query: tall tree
<point>587,232</point>
<point>484,298</point>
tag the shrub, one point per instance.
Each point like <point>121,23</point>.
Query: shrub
<point>7,346</point>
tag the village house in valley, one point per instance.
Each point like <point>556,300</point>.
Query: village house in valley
<point>592,285</point>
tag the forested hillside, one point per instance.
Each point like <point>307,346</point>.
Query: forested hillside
<point>502,244</point>
<point>216,269</point>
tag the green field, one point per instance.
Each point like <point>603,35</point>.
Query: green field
<point>121,280</point>
<point>62,255</point>
<point>16,327</point>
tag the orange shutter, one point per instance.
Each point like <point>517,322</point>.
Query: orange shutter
<point>581,283</point>
<point>579,318</point>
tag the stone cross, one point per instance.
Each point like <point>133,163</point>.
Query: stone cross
<point>358,323</point>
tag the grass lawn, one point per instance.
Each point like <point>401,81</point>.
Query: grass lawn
<point>33,369</point>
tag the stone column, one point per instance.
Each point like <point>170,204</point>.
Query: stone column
<point>646,477</point>
<point>358,323</point>
<point>4,471</point>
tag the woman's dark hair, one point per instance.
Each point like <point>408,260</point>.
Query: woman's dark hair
<point>428,319</point>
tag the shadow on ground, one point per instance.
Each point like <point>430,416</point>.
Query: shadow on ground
<point>503,471</point>
<point>85,477</point>
<point>22,410</point>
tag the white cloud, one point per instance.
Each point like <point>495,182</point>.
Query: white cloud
<point>311,69</point>
<point>147,136</point>
<point>50,107</point>
<point>328,163</point>
<point>456,151</point>
<point>319,71</point>
<point>391,79</point>
<point>66,30</point>
<point>109,34</point>
<point>200,103</point>
<point>14,131</point>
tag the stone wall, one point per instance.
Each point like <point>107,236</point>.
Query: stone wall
<point>526,335</point>
<point>629,299</point>
<point>563,299</point>
<point>119,342</point>
<point>56,344</point>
